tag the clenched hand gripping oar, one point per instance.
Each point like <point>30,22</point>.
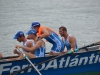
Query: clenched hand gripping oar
<point>29,60</point>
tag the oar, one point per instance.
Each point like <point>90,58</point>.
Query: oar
<point>29,61</point>
<point>10,57</point>
<point>93,44</point>
<point>14,56</point>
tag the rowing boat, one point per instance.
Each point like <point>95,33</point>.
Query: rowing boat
<point>79,62</point>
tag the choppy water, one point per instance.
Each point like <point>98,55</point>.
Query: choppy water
<point>81,17</point>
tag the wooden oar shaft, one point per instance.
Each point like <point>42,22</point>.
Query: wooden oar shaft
<point>34,66</point>
<point>9,57</point>
<point>93,44</point>
<point>29,61</point>
<point>97,42</point>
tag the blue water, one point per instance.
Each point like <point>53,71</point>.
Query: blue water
<point>81,17</point>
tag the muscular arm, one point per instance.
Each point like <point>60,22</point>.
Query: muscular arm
<point>45,33</point>
<point>29,44</point>
<point>0,56</point>
<point>33,48</point>
<point>63,43</point>
<point>72,42</point>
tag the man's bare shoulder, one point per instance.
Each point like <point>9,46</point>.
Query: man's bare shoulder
<point>30,43</point>
<point>72,39</point>
<point>41,42</point>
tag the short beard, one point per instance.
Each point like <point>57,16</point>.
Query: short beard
<point>62,35</point>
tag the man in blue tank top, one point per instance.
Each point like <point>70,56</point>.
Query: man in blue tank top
<point>38,48</point>
<point>20,37</point>
<point>51,36</point>
<point>68,40</point>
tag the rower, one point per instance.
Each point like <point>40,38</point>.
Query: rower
<point>68,40</point>
<point>38,48</point>
<point>51,36</point>
<point>26,42</point>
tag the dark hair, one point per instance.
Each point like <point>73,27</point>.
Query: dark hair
<point>63,28</point>
<point>21,36</point>
<point>37,26</point>
<point>35,34</point>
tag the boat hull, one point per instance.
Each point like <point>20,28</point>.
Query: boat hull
<point>65,64</point>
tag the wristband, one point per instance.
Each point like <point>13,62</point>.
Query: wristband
<point>71,51</point>
<point>76,50</point>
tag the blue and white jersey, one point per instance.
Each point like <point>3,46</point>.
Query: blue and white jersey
<point>67,43</point>
<point>54,39</point>
<point>25,44</point>
<point>40,52</point>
